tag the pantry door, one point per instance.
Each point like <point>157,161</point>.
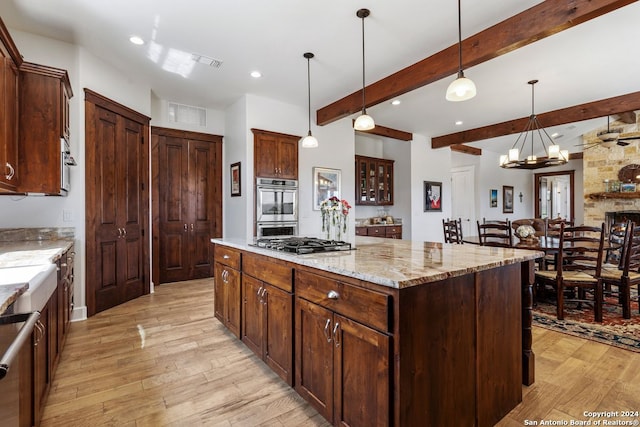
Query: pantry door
<point>463,198</point>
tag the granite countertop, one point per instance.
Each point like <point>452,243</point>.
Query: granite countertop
<point>399,263</point>
<point>25,253</point>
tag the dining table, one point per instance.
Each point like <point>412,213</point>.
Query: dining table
<point>547,244</point>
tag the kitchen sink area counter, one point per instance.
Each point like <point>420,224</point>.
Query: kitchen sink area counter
<point>391,332</point>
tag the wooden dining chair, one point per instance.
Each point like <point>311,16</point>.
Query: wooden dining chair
<point>627,274</point>
<point>495,234</point>
<point>578,269</point>
<point>552,230</point>
<point>452,229</point>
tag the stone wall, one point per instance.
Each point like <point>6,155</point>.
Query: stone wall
<point>602,163</point>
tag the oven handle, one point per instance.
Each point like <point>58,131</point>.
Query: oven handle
<point>23,335</point>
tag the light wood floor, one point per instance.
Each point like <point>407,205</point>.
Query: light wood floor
<point>164,360</point>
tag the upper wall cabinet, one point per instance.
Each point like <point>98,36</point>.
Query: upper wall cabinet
<point>44,127</point>
<point>275,155</point>
<point>374,181</point>
<point>10,60</point>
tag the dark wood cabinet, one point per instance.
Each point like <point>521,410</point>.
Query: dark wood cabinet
<point>227,288</point>
<point>117,203</point>
<point>374,181</point>
<point>44,125</point>
<point>189,180</point>
<point>342,365</point>
<point>388,231</point>
<point>267,313</point>
<point>41,367</point>
<point>275,155</point>
<point>10,60</point>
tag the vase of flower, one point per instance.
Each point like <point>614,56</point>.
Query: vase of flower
<point>334,218</point>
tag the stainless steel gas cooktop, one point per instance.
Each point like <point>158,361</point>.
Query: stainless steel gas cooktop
<point>302,245</point>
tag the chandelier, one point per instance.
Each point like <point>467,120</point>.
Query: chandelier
<point>554,155</point>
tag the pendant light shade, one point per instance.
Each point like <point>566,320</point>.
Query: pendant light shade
<point>309,141</point>
<point>461,88</point>
<point>554,155</point>
<point>364,121</point>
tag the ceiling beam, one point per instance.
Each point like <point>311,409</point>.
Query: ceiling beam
<point>388,132</point>
<point>466,149</point>
<point>628,117</point>
<point>590,110</point>
<point>538,22</point>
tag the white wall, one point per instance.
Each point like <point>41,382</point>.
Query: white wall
<point>236,221</point>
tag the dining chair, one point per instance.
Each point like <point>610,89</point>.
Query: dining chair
<point>627,274</point>
<point>552,230</point>
<point>578,268</point>
<point>495,234</point>
<point>452,229</point>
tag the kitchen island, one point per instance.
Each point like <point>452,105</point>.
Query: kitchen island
<point>391,333</point>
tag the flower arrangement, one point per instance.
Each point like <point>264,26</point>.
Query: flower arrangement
<point>526,232</point>
<point>334,216</point>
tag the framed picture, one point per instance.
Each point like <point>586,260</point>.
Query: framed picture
<point>236,184</point>
<point>507,199</point>
<point>432,196</point>
<point>628,187</point>
<point>493,198</point>
<point>326,184</point>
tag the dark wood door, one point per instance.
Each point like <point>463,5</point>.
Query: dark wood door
<point>278,334</point>
<point>361,374</point>
<point>288,157</point>
<point>314,356</point>
<point>253,314</point>
<point>116,204</point>
<point>188,179</point>
<point>265,154</point>
<point>9,138</point>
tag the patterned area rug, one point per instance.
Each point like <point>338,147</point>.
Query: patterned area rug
<point>614,330</point>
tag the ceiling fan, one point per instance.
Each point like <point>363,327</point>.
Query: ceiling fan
<point>611,137</point>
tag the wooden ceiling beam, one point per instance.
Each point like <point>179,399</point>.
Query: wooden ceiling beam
<point>590,110</point>
<point>628,117</point>
<point>388,132</point>
<point>538,22</point>
<point>466,149</point>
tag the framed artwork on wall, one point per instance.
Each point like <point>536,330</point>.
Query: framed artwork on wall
<point>432,196</point>
<point>236,185</point>
<point>326,184</point>
<point>493,198</point>
<point>507,199</point>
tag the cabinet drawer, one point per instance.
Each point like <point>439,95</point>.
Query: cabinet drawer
<point>264,269</point>
<point>361,231</point>
<point>363,305</point>
<point>227,256</point>
<point>393,230</point>
<point>376,231</point>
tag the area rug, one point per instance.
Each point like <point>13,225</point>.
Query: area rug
<point>580,322</point>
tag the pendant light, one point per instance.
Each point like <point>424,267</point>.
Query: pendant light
<point>554,155</point>
<point>462,88</point>
<point>364,121</point>
<point>309,141</point>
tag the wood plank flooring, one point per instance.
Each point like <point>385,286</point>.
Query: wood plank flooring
<point>164,360</point>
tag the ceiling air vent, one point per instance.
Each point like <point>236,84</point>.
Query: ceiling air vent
<point>206,60</point>
<point>187,114</point>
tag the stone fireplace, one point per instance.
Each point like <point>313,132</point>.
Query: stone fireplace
<point>600,164</point>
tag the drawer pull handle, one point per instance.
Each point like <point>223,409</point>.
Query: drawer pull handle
<point>333,295</point>
<point>327,333</point>
<point>225,257</point>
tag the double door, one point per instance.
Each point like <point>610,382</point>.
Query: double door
<point>374,181</point>
<point>117,203</point>
<point>342,367</point>
<point>275,155</point>
<point>189,171</point>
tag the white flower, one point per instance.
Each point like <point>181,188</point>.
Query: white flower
<point>525,231</point>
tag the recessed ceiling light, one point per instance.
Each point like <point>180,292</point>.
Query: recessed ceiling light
<point>396,102</point>
<point>256,74</point>
<point>458,122</point>
<point>136,40</point>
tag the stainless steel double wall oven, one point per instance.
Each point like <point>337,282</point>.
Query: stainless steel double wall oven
<point>276,207</point>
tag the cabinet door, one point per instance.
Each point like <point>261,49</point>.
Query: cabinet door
<point>9,131</point>
<point>233,300</point>
<point>253,314</point>
<point>219,293</point>
<point>288,158</point>
<point>362,182</point>
<point>385,183</point>
<point>279,332</point>
<point>361,374</point>
<point>40,363</point>
<point>314,356</point>
<point>265,155</point>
